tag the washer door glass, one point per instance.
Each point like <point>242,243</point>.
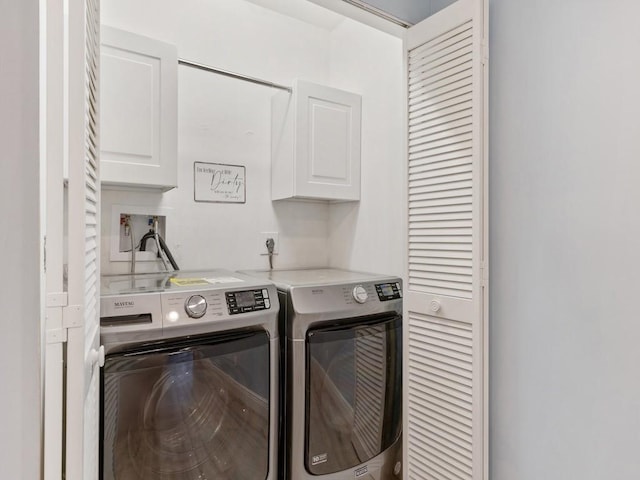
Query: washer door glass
<point>354,393</point>
<point>188,410</point>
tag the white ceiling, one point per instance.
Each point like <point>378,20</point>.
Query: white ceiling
<point>303,10</point>
<point>327,14</point>
<point>409,11</point>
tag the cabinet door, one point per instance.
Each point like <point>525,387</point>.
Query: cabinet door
<point>446,434</point>
<point>138,110</point>
<point>327,142</point>
<point>315,143</point>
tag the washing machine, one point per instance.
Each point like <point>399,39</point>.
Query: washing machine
<point>190,383</point>
<point>341,381</point>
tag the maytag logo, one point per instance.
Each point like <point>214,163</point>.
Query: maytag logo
<point>317,459</point>
<point>317,291</point>
<point>362,471</point>
<point>124,304</point>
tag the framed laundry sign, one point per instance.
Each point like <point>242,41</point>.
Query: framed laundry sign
<point>217,182</point>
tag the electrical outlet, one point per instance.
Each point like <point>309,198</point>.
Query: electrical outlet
<point>262,248</point>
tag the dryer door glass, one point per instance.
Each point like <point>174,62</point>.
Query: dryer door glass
<point>354,392</point>
<point>187,410</point>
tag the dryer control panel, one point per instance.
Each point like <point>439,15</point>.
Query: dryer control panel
<point>388,291</point>
<point>248,301</point>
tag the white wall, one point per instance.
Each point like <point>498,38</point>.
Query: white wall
<point>565,240</point>
<point>222,120</point>
<point>368,235</point>
<point>20,438</point>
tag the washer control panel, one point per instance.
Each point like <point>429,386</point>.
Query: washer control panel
<point>248,301</point>
<point>192,307</point>
<point>388,291</point>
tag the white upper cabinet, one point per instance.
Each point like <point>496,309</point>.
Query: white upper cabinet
<point>138,111</point>
<point>315,145</point>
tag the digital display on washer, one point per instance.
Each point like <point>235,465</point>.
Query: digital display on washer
<point>388,291</point>
<point>247,301</point>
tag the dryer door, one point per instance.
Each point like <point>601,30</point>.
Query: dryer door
<point>188,409</point>
<point>354,392</point>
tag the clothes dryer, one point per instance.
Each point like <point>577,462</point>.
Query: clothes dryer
<point>342,374</point>
<point>190,384</point>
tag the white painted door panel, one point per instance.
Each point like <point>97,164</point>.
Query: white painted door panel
<point>446,295</point>
<point>81,316</point>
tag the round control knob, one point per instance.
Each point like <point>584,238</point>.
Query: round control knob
<point>195,306</point>
<point>360,294</point>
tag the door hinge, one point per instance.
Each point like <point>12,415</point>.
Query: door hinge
<point>56,335</point>
<point>62,317</point>
<point>57,299</point>
<point>55,331</point>
<point>72,316</point>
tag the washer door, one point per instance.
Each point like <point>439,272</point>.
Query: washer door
<point>188,410</point>
<point>354,392</point>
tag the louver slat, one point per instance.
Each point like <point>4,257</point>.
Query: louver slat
<point>440,427</point>
<point>430,139</point>
<point>437,43</point>
<point>452,64</point>
<point>451,149</point>
<point>451,161</point>
<point>436,261</point>
<point>443,115</point>
<point>434,109</point>
<point>448,269</point>
<point>437,93</point>
<point>454,47</point>
<point>462,119</point>
<point>434,217</point>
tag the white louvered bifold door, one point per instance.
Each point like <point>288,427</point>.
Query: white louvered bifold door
<point>84,356</point>
<point>445,295</point>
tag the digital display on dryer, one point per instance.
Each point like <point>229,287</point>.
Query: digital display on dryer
<point>388,291</point>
